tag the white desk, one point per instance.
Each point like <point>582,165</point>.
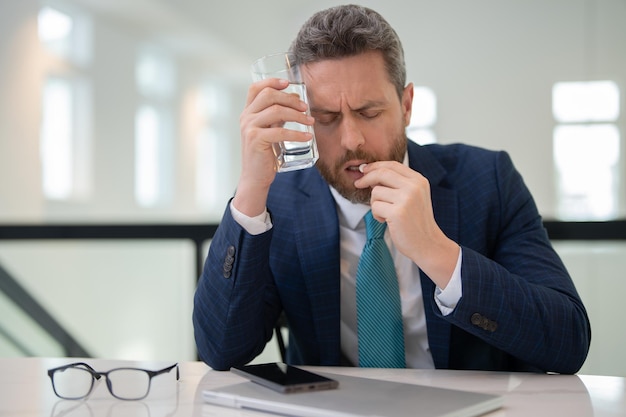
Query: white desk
<point>25,391</point>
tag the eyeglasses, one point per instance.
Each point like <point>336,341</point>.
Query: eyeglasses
<point>76,381</point>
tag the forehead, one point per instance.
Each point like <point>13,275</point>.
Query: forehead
<point>353,80</point>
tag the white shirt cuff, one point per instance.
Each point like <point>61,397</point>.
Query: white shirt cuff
<point>447,299</point>
<point>253,225</point>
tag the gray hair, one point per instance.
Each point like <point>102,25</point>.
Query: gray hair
<point>350,30</point>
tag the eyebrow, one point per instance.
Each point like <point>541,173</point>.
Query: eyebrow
<point>366,106</point>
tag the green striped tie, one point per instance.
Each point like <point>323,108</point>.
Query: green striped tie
<point>379,313</point>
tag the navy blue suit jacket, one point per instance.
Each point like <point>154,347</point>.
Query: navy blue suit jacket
<point>519,309</point>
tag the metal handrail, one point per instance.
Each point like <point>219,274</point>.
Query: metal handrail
<point>197,233</point>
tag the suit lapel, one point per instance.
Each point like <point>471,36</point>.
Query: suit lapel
<point>445,207</point>
<point>318,248</point>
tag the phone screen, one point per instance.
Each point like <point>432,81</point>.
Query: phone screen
<point>285,378</point>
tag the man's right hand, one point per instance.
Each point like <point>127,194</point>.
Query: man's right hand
<point>261,122</point>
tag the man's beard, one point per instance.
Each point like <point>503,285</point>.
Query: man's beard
<point>345,186</point>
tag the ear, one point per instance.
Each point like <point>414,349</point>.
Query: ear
<point>407,103</point>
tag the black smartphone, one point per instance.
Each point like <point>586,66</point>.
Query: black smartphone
<point>284,378</point>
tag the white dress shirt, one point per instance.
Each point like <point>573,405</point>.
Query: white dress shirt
<point>352,241</point>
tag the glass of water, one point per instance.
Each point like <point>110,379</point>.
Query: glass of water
<point>289,155</point>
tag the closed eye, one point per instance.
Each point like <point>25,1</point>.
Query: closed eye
<point>325,118</point>
<point>371,114</point>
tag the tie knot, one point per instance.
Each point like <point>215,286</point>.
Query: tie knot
<point>373,228</point>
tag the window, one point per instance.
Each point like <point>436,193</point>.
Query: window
<point>55,30</point>
<point>66,33</point>
<point>56,139</point>
<point>423,116</point>
<point>155,78</point>
<point>211,107</point>
<point>66,110</point>
<point>147,155</point>
<point>586,145</point>
<point>576,102</point>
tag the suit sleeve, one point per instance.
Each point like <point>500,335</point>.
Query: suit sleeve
<point>517,294</point>
<point>236,303</point>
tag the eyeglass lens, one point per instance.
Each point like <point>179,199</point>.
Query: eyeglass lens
<point>128,383</point>
<point>76,381</point>
<point>72,383</point>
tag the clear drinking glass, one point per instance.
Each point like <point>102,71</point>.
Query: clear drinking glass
<point>289,155</point>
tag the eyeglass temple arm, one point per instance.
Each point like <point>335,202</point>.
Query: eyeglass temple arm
<point>166,370</point>
<point>89,369</point>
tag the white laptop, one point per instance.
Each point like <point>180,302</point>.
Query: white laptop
<point>357,397</point>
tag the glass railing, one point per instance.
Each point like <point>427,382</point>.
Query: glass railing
<point>26,329</point>
<point>126,292</point>
<point>118,291</point>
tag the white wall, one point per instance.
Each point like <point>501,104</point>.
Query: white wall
<point>20,83</point>
<point>114,98</point>
<point>492,65</point>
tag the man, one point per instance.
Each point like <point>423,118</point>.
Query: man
<point>481,286</point>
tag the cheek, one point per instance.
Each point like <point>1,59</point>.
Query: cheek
<point>377,138</point>
<point>326,144</point>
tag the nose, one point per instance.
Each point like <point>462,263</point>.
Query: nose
<point>351,136</point>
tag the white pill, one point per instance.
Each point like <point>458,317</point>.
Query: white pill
<point>361,167</point>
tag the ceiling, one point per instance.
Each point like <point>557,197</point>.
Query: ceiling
<point>235,26</point>
<point>228,34</point>
<point>233,30</point>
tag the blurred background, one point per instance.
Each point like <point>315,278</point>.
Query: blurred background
<point>119,149</point>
